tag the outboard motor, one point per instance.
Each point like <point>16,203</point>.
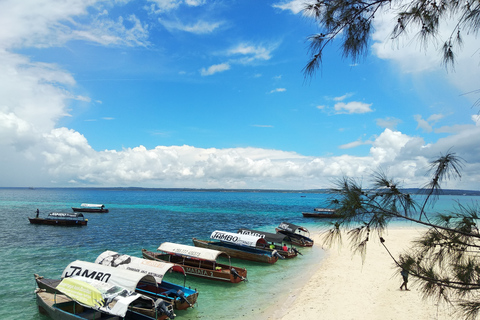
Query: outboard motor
<point>275,253</point>
<point>236,275</point>
<point>182,297</point>
<point>296,251</point>
<point>162,307</point>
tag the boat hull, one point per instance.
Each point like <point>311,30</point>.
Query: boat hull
<point>59,222</point>
<point>91,210</point>
<point>251,254</point>
<point>321,215</point>
<point>192,267</point>
<point>296,239</point>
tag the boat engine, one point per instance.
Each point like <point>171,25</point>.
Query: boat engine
<point>182,297</point>
<point>296,251</point>
<point>275,253</point>
<point>236,275</point>
<point>163,307</point>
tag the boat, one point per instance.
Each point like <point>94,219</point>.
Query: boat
<point>239,246</point>
<point>296,235</point>
<point>90,207</point>
<point>180,296</point>
<point>61,219</point>
<point>276,240</point>
<point>82,298</point>
<point>198,262</point>
<point>323,213</point>
<point>130,280</point>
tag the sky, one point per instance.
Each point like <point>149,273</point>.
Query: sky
<point>212,94</point>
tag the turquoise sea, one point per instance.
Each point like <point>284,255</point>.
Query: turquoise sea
<point>144,218</point>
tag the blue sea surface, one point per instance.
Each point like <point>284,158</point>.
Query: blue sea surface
<point>144,218</point>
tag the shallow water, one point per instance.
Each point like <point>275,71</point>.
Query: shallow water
<point>144,219</point>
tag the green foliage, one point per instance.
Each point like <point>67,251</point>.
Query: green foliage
<point>444,261</point>
<point>351,20</point>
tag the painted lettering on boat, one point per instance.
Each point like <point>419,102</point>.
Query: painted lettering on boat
<point>225,237</point>
<point>96,275</point>
<point>251,233</point>
<point>198,271</point>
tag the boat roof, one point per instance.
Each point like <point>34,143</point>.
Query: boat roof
<point>91,205</point>
<point>290,227</point>
<point>189,251</point>
<point>115,276</point>
<point>237,238</point>
<point>155,268</point>
<point>270,237</point>
<point>92,293</point>
<point>65,215</point>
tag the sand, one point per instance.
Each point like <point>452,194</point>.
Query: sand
<point>343,288</point>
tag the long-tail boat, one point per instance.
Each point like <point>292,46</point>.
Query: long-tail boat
<point>322,213</point>
<point>276,240</point>
<point>199,262</point>
<point>81,298</point>
<point>129,280</point>
<point>182,297</point>
<point>297,235</point>
<point>61,219</point>
<point>239,246</point>
<point>91,207</point>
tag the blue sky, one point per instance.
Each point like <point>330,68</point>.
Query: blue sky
<point>211,94</point>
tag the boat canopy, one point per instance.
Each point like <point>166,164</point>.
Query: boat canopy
<point>98,295</point>
<point>189,251</point>
<point>74,215</point>
<point>118,277</point>
<point>268,236</point>
<point>91,205</point>
<point>293,228</point>
<point>238,239</point>
<point>156,269</point>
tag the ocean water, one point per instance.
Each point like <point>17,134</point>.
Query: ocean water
<point>144,218</point>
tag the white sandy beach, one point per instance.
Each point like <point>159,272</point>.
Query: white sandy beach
<point>343,288</point>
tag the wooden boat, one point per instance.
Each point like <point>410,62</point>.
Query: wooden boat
<point>80,298</point>
<point>90,207</point>
<point>323,213</point>
<point>296,235</point>
<point>198,262</point>
<point>127,279</point>
<point>239,246</point>
<point>180,296</point>
<point>276,241</point>
<point>61,219</point>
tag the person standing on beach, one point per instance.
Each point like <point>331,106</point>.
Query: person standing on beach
<point>404,274</point>
<point>38,212</point>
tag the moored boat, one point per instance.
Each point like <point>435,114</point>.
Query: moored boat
<point>199,262</point>
<point>61,219</point>
<point>90,207</point>
<point>239,246</point>
<point>323,213</point>
<point>81,298</point>
<point>296,235</point>
<point>276,240</point>
<point>180,296</point>
<point>127,279</point>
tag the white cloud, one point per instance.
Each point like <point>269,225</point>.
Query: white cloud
<point>354,144</point>
<point>296,6</point>
<point>352,107</point>
<point>251,53</point>
<point>278,90</point>
<point>388,122</point>
<point>199,27</point>
<point>215,69</point>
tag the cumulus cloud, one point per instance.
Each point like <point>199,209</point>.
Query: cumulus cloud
<point>352,107</point>
<point>388,122</point>
<point>427,125</point>
<point>215,69</point>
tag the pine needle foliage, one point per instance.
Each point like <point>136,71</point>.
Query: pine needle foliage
<point>351,21</point>
<point>445,261</point>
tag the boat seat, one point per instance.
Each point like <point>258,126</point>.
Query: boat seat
<point>90,314</point>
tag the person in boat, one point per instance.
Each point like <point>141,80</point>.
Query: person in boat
<point>38,212</point>
<point>285,248</point>
<point>272,246</point>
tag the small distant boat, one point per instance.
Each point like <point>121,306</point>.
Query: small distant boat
<point>110,276</point>
<point>82,298</point>
<point>325,213</point>
<point>239,246</point>
<point>296,235</point>
<point>276,241</point>
<point>180,296</point>
<point>61,219</point>
<point>198,262</point>
<point>90,207</point>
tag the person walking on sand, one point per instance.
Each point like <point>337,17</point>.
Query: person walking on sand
<point>404,274</point>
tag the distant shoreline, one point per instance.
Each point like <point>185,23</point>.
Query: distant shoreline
<point>445,192</point>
